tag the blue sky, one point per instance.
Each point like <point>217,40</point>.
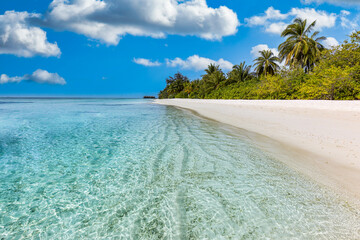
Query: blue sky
<point>128,47</point>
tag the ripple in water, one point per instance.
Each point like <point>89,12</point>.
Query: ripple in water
<point>142,171</point>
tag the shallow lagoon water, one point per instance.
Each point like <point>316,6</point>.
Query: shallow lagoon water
<point>129,169</point>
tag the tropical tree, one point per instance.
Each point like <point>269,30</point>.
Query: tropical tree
<point>192,87</point>
<point>266,63</point>
<point>337,74</point>
<point>211,69</point>
<point>239,73</point>
<point>299,48</point>
<point>214,81</point>
<point>213,78</point>
<point>174,85</point>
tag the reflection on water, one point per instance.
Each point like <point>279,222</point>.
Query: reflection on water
<point>132,170</point>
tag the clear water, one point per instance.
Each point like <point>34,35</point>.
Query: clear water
<point>128,169</point>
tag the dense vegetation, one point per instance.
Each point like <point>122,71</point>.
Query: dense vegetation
<point>310,71</point>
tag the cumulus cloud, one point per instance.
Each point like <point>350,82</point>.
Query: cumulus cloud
<point>256,49</point>
<point>109,20</point>
<point>271,19</point>
<point>330,42</point>
<point>39,76</point>
<point>146,62</point>
<point>276,28</point>
<point>322,18</point>
<point>270,14</point>
<point>18,37</point>
<point>198,63</point>
<point>336,2</point>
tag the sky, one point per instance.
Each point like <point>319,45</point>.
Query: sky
<point>127,48</point>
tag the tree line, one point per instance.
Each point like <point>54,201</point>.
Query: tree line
<point>309,71</point>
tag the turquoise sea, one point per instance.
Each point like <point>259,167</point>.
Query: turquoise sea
<point>130,169</point>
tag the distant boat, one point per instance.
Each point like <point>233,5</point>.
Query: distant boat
<point>149,97</point>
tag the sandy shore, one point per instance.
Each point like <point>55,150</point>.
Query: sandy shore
<point>318,138</point>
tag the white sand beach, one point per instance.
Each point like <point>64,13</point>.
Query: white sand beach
<point>318,138</point>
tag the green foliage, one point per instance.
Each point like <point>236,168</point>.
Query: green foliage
<point>332,83</point>
<point>174,85</point>
<point>213,79</point>
<point>334,75</point>
<point>182,95</point>
<point>337,75</point>
<point>239,90</point>
<point>284,85</point>
<point>273,87</point>
<point>345,55</point>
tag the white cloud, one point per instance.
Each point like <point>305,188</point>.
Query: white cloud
<point>330,42</point>
<point>198,63</point>
<point>322,18</point>
<point>276,28</point>
<point>255,50</point>
<point>146,62</point>
<point>336,2</point>
<point>19,38</point>
<point>270,20</point>
<point>109,20</point>
<point>6,79</point>
<point>39,76</point>
<point>270,14</point>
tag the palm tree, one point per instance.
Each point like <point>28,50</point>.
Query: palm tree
<point>299,48</point>
<point>175,85</point>
<point>214,81</point>
<point>266,63</point>
<point>211,69</point>
<point>239,73</point>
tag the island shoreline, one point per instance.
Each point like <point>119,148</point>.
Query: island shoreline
<point>316,138</point>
